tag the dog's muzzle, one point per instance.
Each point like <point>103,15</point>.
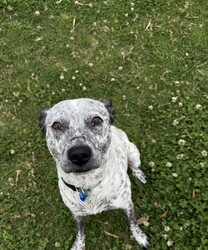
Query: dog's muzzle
<point>79,155</point>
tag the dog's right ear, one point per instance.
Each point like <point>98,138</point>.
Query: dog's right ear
<point>42,119</point>
<point>109,106</point>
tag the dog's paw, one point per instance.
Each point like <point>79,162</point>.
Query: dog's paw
<point>140,175</point>
<point>78,245</point>
<point>142,239</point>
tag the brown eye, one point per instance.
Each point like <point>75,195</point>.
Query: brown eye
<point>96,121</point>
<point>57,126</point>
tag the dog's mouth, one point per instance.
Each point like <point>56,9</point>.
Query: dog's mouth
<point>81,171</point>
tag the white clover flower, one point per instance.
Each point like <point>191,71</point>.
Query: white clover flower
<point>202,164</point>
<point>120,68</point>
<point>63,90</point>
<point>174,99</point>
<point>113,79</point>
<point>12,151</point>
<point>153,141</point>
<point>180,104</point>
<point>165,236</point>
<point>37,13</point>
<point>167,228</point>
<point>123,53</point>
<point>150,107</point>
<point>180,156</point>
<point>151,164</point>
<point>73,77</point>
<point>204,153</point>
<point>198,106</point>
<point>84,88</point>
<point>175,122</point>
<point>169,243</point>
<point>132,4</point>
<point>181,142</point>
<point>62,76</point>
<point>57,244</point>
<point>168,165</point>
<point>132,9</point>
<point>90,64</point>
<point>124,97</point>
<point>126,15</point>
<point>174,175</point>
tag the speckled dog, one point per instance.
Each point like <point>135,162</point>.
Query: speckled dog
<point>92,157</point>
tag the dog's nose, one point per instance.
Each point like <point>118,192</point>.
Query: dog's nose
<point>79,155</point>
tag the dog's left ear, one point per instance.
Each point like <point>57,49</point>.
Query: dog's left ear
<point>42,119</point>
<point>111,111</point>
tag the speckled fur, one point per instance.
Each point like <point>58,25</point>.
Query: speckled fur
<point>111,154</point>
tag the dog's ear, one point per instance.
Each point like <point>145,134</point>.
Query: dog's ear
<point>111,111</point>
<point>42,119</point>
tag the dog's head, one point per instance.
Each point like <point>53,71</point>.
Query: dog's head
<point>78,133</point>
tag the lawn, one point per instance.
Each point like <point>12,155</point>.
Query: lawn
<point>150,57</point>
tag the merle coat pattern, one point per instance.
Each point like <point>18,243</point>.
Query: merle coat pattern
<point>92,156</point>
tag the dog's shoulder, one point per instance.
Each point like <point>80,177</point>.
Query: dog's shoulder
<point>119,135</point>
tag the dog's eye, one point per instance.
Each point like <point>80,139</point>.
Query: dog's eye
<point>57,126</point>
<point>96,121</point>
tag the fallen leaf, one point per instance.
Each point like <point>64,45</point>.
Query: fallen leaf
<point>142,220</point>
<point>165,213</point>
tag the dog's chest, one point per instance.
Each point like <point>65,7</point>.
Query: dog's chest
<point>114,195</point>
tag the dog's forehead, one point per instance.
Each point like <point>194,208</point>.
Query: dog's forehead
<point>78,107</point>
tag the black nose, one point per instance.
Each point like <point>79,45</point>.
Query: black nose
<point>79,155</point>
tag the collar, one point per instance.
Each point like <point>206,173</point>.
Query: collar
<point>86,191</point>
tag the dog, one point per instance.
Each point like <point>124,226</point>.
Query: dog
<point>92,157</point>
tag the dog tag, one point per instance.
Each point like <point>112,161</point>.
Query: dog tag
<point>82,196</point>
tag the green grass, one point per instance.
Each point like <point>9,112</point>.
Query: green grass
<point>151,59</point>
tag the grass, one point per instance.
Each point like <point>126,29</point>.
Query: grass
<point>150,58</point>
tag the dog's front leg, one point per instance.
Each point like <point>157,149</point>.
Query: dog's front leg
<point>140,237</point>
<point>79,243</point>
